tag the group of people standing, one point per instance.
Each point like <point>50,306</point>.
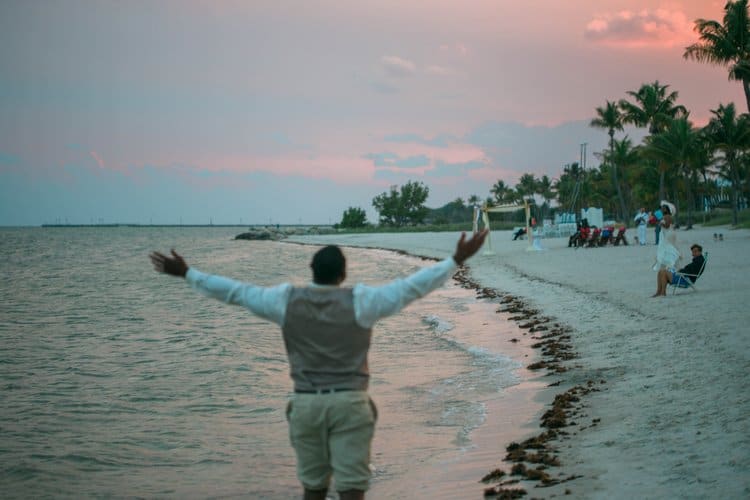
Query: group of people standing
<point>643,219</point>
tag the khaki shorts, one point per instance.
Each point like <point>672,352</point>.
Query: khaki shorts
<point>331,435</point>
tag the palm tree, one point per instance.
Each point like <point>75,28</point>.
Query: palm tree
<point>501,191</point>
<point>703,160</point>
<point>642,180</point>
<point>571,188</point>
<point>653,108</point>
<point>544,189</point>
<point>730,135</point>
<point>609,117</point>
<point>526,188</point>
<point>599,190</point>
<point>678,146</point>
<point>726,44</point>
<point>527,185</point>
<point>623,154</point>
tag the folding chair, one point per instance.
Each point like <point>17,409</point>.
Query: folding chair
<point>684,281</point>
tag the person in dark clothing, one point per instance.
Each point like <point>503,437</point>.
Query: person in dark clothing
<point>690,272</point>
<point>521,231</point>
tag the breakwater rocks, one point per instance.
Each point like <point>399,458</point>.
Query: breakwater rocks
<point>275,233</point>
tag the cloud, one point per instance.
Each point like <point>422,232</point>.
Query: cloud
<point>460,169</point>
<point>395,71</point>
<point>439,70</point>
<point>391,160</point>
<point>647,28</point>
<point>397,67</point>
<point>455,49</point>
<point>441,140</point>
<point>381,159</point>
<point>97,159</point>
<point>514,148</point>
<point>384,88</point>
<point>393,177</point>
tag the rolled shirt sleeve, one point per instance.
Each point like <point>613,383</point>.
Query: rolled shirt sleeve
<point>374,303</point>
<point>267,302</point>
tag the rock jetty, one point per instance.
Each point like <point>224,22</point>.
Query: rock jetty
<point>274,233</point>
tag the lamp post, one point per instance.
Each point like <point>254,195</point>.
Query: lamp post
<point>582,173</point>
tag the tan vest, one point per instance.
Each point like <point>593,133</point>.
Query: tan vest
<point>326,347</point>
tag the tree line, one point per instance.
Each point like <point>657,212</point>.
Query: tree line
<point>689,165</point>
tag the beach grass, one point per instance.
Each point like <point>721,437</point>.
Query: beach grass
<point>723,217</point>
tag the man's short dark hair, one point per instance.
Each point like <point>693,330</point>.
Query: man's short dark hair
<point>328,265</point>
<point>700,248</point>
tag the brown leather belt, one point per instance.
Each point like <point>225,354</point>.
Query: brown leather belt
<point>322,391</point>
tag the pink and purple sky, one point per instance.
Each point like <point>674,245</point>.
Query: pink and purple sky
<point>289,112</point>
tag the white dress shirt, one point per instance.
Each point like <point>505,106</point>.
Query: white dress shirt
<point>371,303</point>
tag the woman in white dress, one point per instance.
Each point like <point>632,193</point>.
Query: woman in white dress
<point>667,254</point>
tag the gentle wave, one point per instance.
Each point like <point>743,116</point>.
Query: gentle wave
<point>437,324</point>
<point>117,381</point>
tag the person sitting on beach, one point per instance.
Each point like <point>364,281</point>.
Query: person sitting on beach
<point>579,238</point>
<point>521,231</point>
<point>620,237</point>
<point>575,238</point>
<point>593,240</point>
<point>327,331</point>
<point>690,272</point>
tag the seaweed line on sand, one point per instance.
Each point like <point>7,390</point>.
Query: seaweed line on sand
<point>555,349</point>
<point>533,458</point>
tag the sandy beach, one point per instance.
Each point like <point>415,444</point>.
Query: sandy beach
<point>655,397</point>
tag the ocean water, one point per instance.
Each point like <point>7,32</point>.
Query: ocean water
<point>116,381</point>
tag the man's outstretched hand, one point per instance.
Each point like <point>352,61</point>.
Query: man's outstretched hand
<point>174,265</point>
<point>466,248</point>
